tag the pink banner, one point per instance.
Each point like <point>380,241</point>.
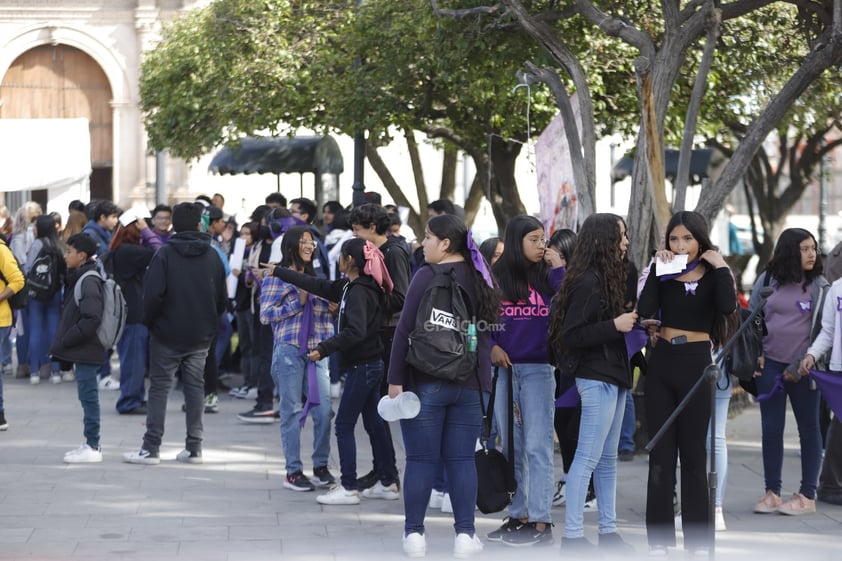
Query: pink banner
<point>556,187</point>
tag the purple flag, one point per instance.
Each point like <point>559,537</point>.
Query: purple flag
<point>636,339</point>
<point>570,398</point>
<point>830,383</point>
<point>304,334</point>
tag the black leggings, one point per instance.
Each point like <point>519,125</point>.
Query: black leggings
<point>672,371</point>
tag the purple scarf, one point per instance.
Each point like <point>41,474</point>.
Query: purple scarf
<point>830,384</point>
<point>307,330</point>
<point>478,260</point>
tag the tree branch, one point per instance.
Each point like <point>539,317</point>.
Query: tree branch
<point>616,27</point>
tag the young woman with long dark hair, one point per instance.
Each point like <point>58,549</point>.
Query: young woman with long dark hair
<point>299,322</point>
<point>590,322</point>
<point>446,429</point>
<point>44,314</point>
<point>527,285</point>
<point>793,320</point>
<point>696,308</point>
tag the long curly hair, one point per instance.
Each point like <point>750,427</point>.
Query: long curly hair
<point>785,264</point>
<point>450,227</point>
<point>597,250</point>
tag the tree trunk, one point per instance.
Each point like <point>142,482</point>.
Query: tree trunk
<point>505,199</point>
<point>475,196</point>
<point>448,173</point>
<point>416,222</point>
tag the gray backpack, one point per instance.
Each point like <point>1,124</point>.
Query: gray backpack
<point>114,309</point>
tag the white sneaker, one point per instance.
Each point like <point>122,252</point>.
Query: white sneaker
<point>83,455</point>
<point>380,491</point>
<point>34,379</point>
<point>436,498</point>
<point>338,495</point>
<point>55,378</point>
<point>591,505</point>
<point>414,545</point>
<point>109,383</point>
<point>446,506</point>
<point>239,393</point>
<point>466,546</point>
<point>188,457</point>
<point>142,456</point>
<point>335,390</point>
<point>719,520</point>
<point>68,376</point>
<point>560,498</point>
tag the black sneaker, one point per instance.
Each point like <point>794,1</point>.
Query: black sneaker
<point>614,543</point>
<point>367,481</point>
<point>579,546</point>
<point>509,525</point>
<point>4,425</point>
<point>529,535</point>
<point>258,416</point>
<point>298,482</point>
<point>322,477</point>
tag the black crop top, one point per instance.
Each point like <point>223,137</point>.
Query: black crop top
<point>688,306</point>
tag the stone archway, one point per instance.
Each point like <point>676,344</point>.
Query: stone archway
<point>125,162</point>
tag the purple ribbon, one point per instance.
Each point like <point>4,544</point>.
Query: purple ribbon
<point>479,261</point>
<point>777,388</point>
<point>570,398</point>
<point>670,276</point>
<point>304,334</point>
<point>830,384</point>
<point>636,340</point>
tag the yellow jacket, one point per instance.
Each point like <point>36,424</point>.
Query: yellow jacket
<point>14,279</point>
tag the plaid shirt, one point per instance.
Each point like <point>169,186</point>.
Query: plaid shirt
<point>281,308</point>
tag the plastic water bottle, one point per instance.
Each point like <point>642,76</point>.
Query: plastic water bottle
<point>472,338</point>
<point>405,406</point>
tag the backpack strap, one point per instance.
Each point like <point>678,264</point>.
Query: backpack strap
<point>77,288</point>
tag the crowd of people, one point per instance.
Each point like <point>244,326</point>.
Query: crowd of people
<point>324,308</point>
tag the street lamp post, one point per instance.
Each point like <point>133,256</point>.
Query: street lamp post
<point>358,187</point>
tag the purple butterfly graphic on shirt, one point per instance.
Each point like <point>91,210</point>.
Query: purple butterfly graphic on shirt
<point>690,287</point>
<point>805,306</point>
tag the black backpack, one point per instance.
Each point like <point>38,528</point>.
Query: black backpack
<point>438,344</point>
<point>44,278</point>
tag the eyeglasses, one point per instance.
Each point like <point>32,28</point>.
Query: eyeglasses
<point>311,243</point>
<point>540,242</point>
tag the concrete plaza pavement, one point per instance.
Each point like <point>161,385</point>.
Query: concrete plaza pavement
<point>234,508</point>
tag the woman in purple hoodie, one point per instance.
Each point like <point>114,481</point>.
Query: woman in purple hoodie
<point>519,349</point>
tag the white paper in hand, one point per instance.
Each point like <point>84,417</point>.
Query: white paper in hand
<point>678,263</point>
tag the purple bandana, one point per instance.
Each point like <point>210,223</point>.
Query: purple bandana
<point>307,329</point>
<point>671,276</point>
<point>777,388</point>
<point>636,340</point>
<point>479,261</point>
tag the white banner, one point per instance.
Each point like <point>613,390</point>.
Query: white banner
<point>556,187</point>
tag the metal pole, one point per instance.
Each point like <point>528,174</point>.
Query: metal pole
<point>823,247</point>
<point>358,197</point>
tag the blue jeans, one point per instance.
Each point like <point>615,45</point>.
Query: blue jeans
<point>6,346</point>
<point>805,406</point>
<point>360,396</point>
<point>88,392</point>
<point>22,341</point>
<point>43,323</point>
<point>133,348</point>
<point>723,400</point>
<point>603,406</point>
<point>533,387</point>
<point>629,426</point>
<point>4,333</point>
<point>444,432</point>
<point>289,371</point>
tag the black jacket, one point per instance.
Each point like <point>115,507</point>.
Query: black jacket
<point>76,339</point>
<point>184,292</point>
<point>128,264</point>
<point>589,331</point>
<point>397,263</point>
<point>360,315</point>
